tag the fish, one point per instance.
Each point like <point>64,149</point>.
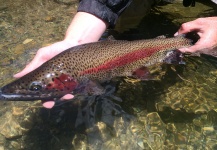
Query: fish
<point>80,69</point>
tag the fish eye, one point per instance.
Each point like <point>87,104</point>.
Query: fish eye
<point>35,86</point>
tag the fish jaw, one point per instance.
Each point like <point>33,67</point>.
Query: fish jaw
<point>19,97</point>
<point>29,89</point>
<point>7,94</point>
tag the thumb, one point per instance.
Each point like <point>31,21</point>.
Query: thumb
<point>191,49</point>
<point>35,63</point>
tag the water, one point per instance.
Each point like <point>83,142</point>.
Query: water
<point>176,111</point>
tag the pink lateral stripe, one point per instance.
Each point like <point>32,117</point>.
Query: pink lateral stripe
<point>123,60</point>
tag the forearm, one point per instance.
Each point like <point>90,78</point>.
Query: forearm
<point>85,28</point>
<point>92,19</point>
<point>107,10</point>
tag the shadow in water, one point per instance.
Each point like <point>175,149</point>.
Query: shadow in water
<point>61,126</point>
<point>152,25</point>
<point>158,22</point>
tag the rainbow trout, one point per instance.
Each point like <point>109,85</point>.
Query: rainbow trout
<point>74,70</point>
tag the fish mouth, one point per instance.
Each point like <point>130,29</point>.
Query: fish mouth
<point>17,97</point>
<point>1,97</point>
<point>24,97</point>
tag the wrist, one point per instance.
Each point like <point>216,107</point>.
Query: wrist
<point>85,28</point>
<point>70,42</point>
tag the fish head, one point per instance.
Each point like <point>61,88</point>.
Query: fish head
<point>43,83</point>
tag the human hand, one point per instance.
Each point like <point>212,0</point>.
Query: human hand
<point>80,31</point>
<point>206,28</point>
<point>44,54</point>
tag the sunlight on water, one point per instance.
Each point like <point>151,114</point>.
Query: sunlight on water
<point>177,110</point>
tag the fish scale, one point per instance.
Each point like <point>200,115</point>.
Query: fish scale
<point>74,68</point>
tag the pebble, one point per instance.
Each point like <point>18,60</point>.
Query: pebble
<point>17,111</point>
<point>27,41</point>
<point>19,49</point>
<point>80,141</point>
<point>15,145</point>
<point>66,2</point>
<point>49,19</point>
<point>141,144</point>
<point>3,8</point>
<point>10,129</point>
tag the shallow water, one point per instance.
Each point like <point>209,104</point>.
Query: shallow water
<point>176,111</point>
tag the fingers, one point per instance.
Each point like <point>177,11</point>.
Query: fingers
<point>35,63</point>
<point>191,49</point>
<point>202,27</point>
<point>189,27</point>
<point>42,55</point>
<point>48,104</point>
<point>200,46</point>
<point>67,97</point>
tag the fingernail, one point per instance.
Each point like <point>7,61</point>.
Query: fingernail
<point>16,75</point>
<point>67,97</point>
<point>48,104</point>
<point>183,50</point>
<point>176,34</point>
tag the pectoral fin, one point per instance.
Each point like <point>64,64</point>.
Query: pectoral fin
<point>90,88</point>
<point>142,74</point>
